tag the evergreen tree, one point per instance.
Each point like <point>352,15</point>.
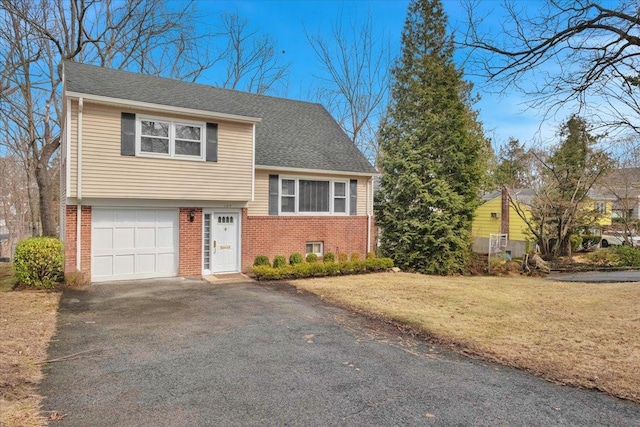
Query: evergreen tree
<point>515,168</point>
<point>569,173</point>
<point>433,152</point>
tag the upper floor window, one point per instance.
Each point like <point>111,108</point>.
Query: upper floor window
<point>601,207</point>
<point>162,137</point>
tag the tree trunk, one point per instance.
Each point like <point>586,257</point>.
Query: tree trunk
<point>47,208</point>
<point>32,205</point>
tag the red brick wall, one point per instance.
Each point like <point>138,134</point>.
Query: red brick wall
<point>70,243</point>
<point>282,235</point>
<point>190,237</point>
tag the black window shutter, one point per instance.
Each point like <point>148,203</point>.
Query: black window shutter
<point>128,134</point>
<point>353,197</point>
<point>212,142</point>
<point>273,195</point>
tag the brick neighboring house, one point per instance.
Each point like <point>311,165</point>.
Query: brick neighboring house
<point>164,178</point>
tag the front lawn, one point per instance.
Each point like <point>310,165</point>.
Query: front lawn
<point>574,333</point>
<point>27,323</point>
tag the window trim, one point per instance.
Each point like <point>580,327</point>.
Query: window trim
<point>172,138</point>
<point>296,196</point>
<point>345,197</point>
<point>318,254</point>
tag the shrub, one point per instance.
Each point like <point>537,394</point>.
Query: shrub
<point>628,256</point>
<point>261,260</point>
<point>312,258</point>
<point>38,262</point>
<point>301,270</point>
<point>76,279</point>
<point>329,257</point>
<point>279,261</point>
<point>355,256</point>
<point>371,255</point>
<point>342,257</point>
<point>604,258</point>
<point>295,258</point>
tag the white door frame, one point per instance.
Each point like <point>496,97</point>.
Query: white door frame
<point>213,212</point>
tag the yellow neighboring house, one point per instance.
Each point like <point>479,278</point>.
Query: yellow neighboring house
<point>497,215</point>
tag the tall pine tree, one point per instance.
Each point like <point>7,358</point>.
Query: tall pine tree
<point>433,152</point>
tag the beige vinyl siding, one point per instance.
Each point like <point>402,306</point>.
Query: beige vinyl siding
<point>108,174</point>
<point>260,205</point>
<point>73,151</point>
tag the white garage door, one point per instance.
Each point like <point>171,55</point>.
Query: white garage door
<point>134,244</point>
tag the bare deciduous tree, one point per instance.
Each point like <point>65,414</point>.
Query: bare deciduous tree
<point>148,36</point>
<point>251,59</point>
<point>356,65</point>
<point>14,200</point>
<point>564,53</point>
<point>561,203</point>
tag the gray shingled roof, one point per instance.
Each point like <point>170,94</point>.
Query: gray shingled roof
<point>292,134</point>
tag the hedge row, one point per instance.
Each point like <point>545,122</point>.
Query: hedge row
<point>307,269</point>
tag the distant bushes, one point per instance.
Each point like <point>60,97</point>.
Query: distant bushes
<point>298,268</point>
<point>615,256</point>
<point>628,256</point>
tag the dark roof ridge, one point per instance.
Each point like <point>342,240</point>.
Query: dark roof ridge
<point>199,84</point>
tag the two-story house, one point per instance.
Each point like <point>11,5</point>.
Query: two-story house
<point>163,178</point>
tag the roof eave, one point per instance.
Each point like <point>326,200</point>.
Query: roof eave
<point>315,171</point>
<point>106,100</point>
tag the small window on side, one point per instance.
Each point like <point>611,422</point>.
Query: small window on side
<point>314,248</point>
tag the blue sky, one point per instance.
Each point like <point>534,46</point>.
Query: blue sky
<point>502,115</point>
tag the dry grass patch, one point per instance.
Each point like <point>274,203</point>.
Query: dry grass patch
<point>575,333</point>
<point>27,323</point>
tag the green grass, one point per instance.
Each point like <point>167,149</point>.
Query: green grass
<point>574,333</point>
<point>7,277</point>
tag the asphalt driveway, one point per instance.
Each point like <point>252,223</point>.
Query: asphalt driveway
<point>188,353</point>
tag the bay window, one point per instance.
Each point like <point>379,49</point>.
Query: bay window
<point>301,195</point>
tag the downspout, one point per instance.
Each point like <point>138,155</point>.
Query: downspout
<point>253,165</point>
<point>79,189</point>
<point>369,213</point>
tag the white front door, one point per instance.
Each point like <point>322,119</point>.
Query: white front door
<point>220,242</point>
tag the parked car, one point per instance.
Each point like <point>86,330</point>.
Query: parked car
<point>618,240</point>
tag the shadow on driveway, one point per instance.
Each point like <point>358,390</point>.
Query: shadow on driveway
<point>188,353</point>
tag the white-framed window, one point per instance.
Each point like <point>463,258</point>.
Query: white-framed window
<point>340,197</point>
<point>288,195</point>
<point>313,196</point>
<point>314,248</point>
<point>161,137</point>
<point>601,207</point>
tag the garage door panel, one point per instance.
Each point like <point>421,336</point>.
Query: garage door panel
<point>146,263</point>
<point>164,262</point>
<point>102,265</point>
<point>126,217</point>
<point>165,218</point>
<point>102,218</point>
<point>134,243</point>
<point>146,237</point>
<point>124,264</point>
<point>102,239</point>
<point>125,238</point>
<point>165,237</point>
